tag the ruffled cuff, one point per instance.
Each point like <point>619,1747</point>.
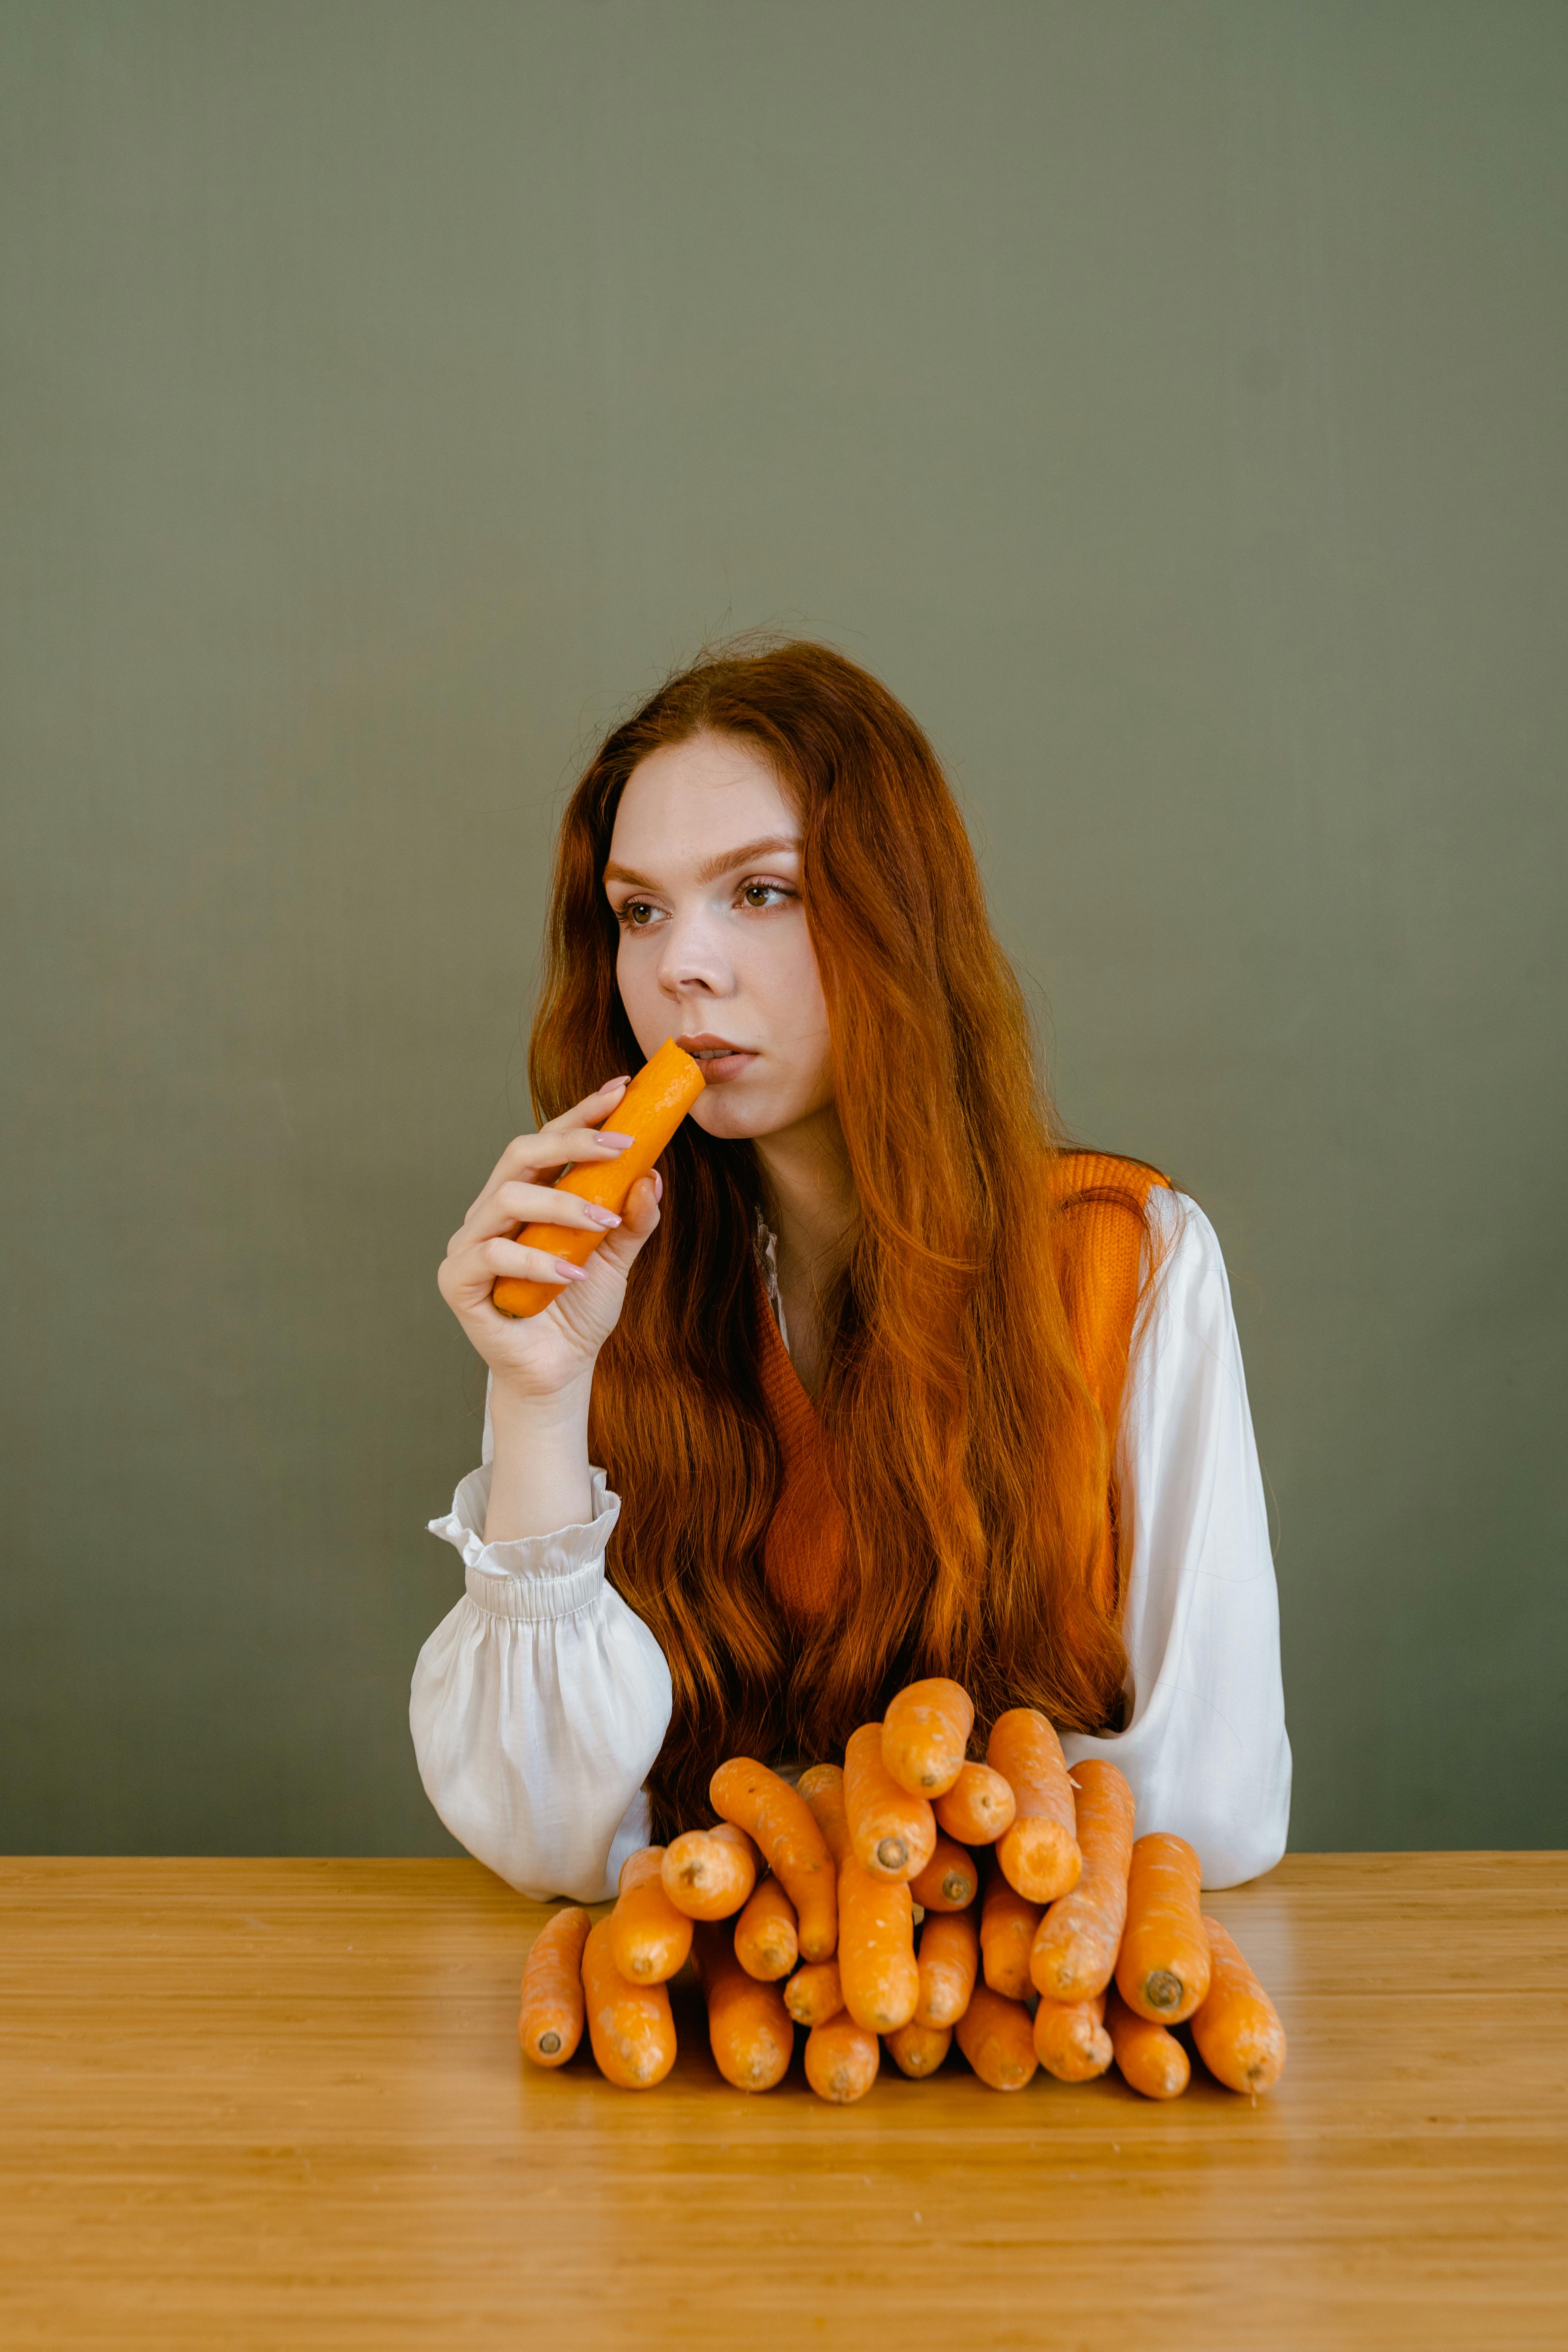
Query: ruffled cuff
<point>531,1576</point>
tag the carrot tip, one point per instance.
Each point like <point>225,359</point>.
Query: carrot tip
<point>892,1854</point>
<point>1162,1989</point>
<point>549,2044</point>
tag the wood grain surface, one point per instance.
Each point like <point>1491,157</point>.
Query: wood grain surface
<point>267,2103</point>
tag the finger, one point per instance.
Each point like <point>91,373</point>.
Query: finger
<point>471,1273</point>
<point>593,1110</point>
<point>639,1219</point>
<point>546,1153</point>
<point>513,1204</point>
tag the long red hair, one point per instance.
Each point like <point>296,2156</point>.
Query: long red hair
<point>973,1461</point>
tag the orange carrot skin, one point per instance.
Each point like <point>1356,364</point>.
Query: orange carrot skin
<point>780,1819</point>
<point>709,1874</point>
<point>1163,1968</point>
<point>994,2035</point>
<point>550,2017</point>
<point>630,2025</point>
<point>650,1110</point>
<point>876,1964</point>
<point>766,1943</point>
<point>925,1733</point>
<point>918,2049</point>
<point>841,2060</point>
<point>649,1937</point>
<point>1075,1950</point>
<point>1149,2058</point>
<point>821,1786</point>
<point>892,1833</point>
<point>1070,2038</point>
<point>1236,2027</point>
<point>1039,1853</point>
<point>949,1880</point>
<point>750,2031</point>
<point>948,1962</point>
<point>813,1993</point>
<point>978,1808</point>
<point>1007,1924</point>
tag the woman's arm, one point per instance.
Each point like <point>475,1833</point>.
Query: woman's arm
<point>539,1704</point>
<point>1204,1747</point>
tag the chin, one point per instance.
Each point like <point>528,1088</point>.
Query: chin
<point>723,1113</point>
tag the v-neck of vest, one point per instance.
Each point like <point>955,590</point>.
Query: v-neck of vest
<point>783,1387</point>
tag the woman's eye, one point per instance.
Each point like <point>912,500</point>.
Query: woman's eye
<point>763,894</point>
<point>637,914</point>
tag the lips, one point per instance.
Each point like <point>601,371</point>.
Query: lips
<point>705,1048</point>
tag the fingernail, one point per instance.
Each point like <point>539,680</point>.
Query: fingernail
<point>658,1185</point>
<point>600,1216</point>
<point>609,1135</point>
<point>568,1272</point>
<point>622,1081</point>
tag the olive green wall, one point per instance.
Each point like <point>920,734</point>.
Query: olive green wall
<point>1166,399</point>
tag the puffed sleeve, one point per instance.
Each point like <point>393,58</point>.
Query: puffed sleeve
<point>539,1702</point>
<point>1204,1746</point>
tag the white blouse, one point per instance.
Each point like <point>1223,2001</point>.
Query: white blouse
<point>540,1701</point>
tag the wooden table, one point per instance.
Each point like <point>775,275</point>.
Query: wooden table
<point>280,2103</point>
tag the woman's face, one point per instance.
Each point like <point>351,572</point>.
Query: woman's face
<point>703,877</point>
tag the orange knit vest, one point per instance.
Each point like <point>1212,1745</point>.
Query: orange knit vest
<point>1097,1242</point>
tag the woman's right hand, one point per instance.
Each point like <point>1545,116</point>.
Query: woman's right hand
<point>539,1356</point>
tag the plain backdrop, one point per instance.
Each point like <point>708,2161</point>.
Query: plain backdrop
<point>1167,400</point>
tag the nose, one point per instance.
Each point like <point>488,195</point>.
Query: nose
<point>692,960</point>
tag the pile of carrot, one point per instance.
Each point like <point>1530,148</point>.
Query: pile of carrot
<point>908,1900</point>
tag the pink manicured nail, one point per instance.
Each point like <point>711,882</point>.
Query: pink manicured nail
<point>608,1135</point>
<point>568,1272</point>
<point>658,1185</point>
<point>599,1216</point>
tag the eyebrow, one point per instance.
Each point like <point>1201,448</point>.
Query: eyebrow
<point>713,869</point>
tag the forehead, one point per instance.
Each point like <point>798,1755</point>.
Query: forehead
<point>694,797</point>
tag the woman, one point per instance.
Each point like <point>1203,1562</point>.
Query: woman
<point>878,1381</point>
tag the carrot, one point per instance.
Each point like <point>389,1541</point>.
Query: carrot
<point>1007,1924</point>
<point>767,1944</point>
<point>993,2034</point>
<point>977,1807</point>
<point>1148,2058</point>
<point>1081,1935</point>
<point>630,2025</point>
<point>749,2030</point>
<point>709,1874</point>
<point>1236,2027</point>
<point>1070,2038</point>
<point>1040,1852</point>
<point>821,1788</point>
<point>841,2060</point>
<point>650,1110</point>
<point>813,1993</point>
<point>893,1834</point>
<point>918,2049</point>
<point>549,2019</point>
<point>1163,1968</point>
<point>649,1937</point>
<point>925,1734</point>
<point>949,1882</point>
<point>876,1965</point>
<point>793,1848</point>
<point>948,1961</point>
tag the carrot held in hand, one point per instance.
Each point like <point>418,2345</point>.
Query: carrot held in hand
<point>1007,1924</point>
<point>994,2035</point>
<point>1162,1970</point>
<point>893,1834</point>
<point>1236,2027</point>
<point>948,1962</point>
<point>550,2020</point>
<point>813,1993</point>
<point>770,1811</point>
<point>1081,1935</point>
<point>841,2060</point>
<point>648,1937</point>
<point>950,1880</point>
<point>1070,2038</point>
<point>630,2025</point>
<point>650,1110</point>
<point>1039,1853</point>
<point>709,1874</point>
<point>924,1735</point>
<point>748,2028</point>
<point>767,1944</point>
<point>1149,2058</point>
<point>977,1807</point>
